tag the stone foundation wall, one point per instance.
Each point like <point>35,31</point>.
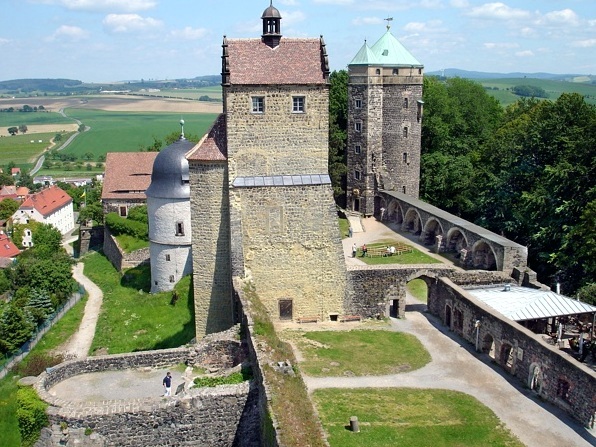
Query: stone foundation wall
<point>553,375</point>
<point>119,259</point>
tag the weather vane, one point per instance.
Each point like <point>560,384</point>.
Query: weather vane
<point>388,20</point>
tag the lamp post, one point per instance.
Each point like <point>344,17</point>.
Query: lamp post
<point>477,326</point>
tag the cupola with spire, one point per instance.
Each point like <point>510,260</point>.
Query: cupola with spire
<point>271,26</point>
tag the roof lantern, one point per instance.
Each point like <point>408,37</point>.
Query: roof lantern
<point>271,26</point>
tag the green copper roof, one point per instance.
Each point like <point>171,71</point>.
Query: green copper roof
<point>386,51</point>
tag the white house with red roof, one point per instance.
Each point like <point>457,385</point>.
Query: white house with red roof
<point>50,206</point>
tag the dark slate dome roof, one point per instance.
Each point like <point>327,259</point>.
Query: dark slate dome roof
<point>271,13</point>
<point>169,179</point>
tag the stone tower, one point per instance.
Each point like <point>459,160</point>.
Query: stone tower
<point>168,208</point>
<point>384,123</point>
<point>269,152</point>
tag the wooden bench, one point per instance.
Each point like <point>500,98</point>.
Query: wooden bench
<point>347,318</point>
<point>399,249</point>
<point>373,252</point>
<point>309,319</point>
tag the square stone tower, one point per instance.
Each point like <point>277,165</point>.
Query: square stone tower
<point>277,216</point>
<point>384,123</point>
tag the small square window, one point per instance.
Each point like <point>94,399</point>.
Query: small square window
<point>358,126</point>
<point>179,229</point>
<point>123,211</point>
<point>258,104</point>
<point>298,104</point>
<point>378,71</point>
<point>358,103</point>
<point>405,132</point>
<point>168,258</point>
<point>396,71</point>
<point>357,175</point>
<point>357,149</point>
<point>171,278</point>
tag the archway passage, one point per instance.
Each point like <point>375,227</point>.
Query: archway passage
<point>456,241</point>
<point>393,213</point>
<point>488,346</point>
<point>535,378</point>
<point>412,222</point>
<point>506,357</point>
<point>483,257</point>
<point>431,230</point>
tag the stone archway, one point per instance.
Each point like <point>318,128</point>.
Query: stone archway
<point>456,241</point>
<point>483,256</point>
<point>488,346</point>
<point>506,356</point>
<point>535,378</point>
<point>412,222</point>
<point>432,229</point>
<point>394,212</point>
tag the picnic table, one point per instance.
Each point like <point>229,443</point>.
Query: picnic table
<point>382,251</point>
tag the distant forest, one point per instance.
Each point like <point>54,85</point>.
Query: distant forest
<point>527,171</point>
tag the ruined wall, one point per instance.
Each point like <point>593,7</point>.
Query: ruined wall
<point>292,248</point>
<point>554,376</point>
<point>119,259</point>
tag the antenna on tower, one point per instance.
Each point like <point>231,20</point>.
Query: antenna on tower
<point>388,20</point>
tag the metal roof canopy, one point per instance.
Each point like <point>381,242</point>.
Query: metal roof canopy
<point>522,303</point>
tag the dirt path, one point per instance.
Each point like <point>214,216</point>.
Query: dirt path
<point>79,344</point>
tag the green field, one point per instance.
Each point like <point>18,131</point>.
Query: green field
<point>553,88</point>
<point>214,92</point>
<point>21,150</point>
<point>9,119</point>
<point>129,131</point>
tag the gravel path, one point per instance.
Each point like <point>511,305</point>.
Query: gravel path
<point>459,368</point>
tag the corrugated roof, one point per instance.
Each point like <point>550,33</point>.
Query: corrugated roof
<point>282,180</point>
<point>522,303</point>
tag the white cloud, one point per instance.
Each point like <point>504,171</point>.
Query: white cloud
<point>526,31</point>
<point>588,43</point>
<point>188,33</point>
<point>459,3</point>
<point>499,11</point>
<point>500,45</point>
<point>367,21</point>
<point>67,32</point>
<point>288,2</point>
<point>102,5</point>
<point>127,23</point>
<point>424,27</point>
<point>525,53</point>
<point>4,41</point>
<point>563,17</point>
<point>289,18</point>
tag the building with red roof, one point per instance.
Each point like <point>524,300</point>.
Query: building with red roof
<point>50,206</point>
<point>8,250</point>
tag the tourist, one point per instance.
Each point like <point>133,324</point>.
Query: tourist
<point>354,250</point>
<point>350,232</point>
<point>364,250</point>
<point>167,384</point>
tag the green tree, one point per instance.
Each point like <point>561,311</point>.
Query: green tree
<point>81,128</point>
<point>57,138</point>
<point>6,179</point>
<point>93,211</point>
<point>338,135</point>
<point>88,156</point>
<point>587,294</point>
<point>15,328</point>
<point>40,306</point>
<point>13,130</point>
<point>23,128</point>
<point>8,208</point>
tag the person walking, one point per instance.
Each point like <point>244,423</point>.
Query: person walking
<point>350,232</point>
<point>167,384</point>
<point>354,250</point>
<point>364,250</point>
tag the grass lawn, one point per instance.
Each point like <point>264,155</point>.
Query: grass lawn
<point>360,352</point>
<point>21,150</point>
<point>344,227</point>
<point>129,131</point>
<point>130,243</point>
<point>418,289</point>
<point>131,319</point>
<point>60,332</point>
<point>409,417</point>
<point>413,257</point>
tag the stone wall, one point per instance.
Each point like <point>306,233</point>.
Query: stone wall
<point>221,416</point>
<point>292,248</point>
<point>119,259</point>
<point>553,375</point>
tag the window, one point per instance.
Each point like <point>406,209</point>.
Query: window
<point>378,71</point>
<point>123,211</point>
<point>405,157</point>
<point>179,229</point>
<point>358,103</point>
<point>357,149</point>
<point>167,257</point>
<point>358,126</point>
<point>171,278</point>
<point>258,104</point>
<point>419,111</point>
<point>405,103</point>
<point>405,132</point>
<point>155,283</point>
<point>298,104</point>
<point>357,175</point>
<point>404,189</point>
<point>396,71</point>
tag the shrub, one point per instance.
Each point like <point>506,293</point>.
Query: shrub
<point>31,415</point>
<point>139,214</point>
<point>37,362</point>
<point>232,379</point>
<point>119,225</point>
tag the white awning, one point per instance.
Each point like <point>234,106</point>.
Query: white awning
<point>522,303</point>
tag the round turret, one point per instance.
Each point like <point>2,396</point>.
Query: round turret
<point>169,178</point>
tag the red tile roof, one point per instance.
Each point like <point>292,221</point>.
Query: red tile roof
<point>293,61</point>
<point>7,248</point>
<point>47,200</point>
<point>128,175</point>
<point>212,146</point>
<point>8,190</point>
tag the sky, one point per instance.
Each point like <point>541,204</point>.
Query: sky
<point>119,40</point>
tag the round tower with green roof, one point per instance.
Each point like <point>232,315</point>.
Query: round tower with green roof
<point>384,123</point>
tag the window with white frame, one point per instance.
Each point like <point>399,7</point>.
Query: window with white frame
<point>298,104</point>
<point>357,149</point>
<point>258,104</point>
<point>358,126</point>
<point>179,228</point>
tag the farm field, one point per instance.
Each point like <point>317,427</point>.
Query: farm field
<point>21,150</point>
<point>130,131</point>
<point>214,92</point>
<point>553,88</point>
<point>30,119</point>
